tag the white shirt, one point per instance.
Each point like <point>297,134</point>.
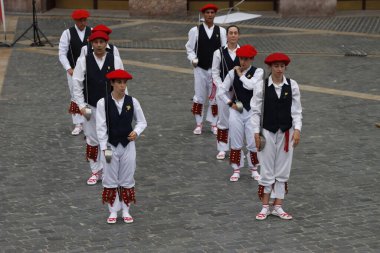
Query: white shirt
<point>193,37</point>
<point>250,84</point>
<point>64,43</point>
<point>83,51</point>
<point>101,123</point>
<point>216,64</point>
<point>296,109</point>
<point>80,72</point>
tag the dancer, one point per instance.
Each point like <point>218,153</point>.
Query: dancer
<point>282,122</point>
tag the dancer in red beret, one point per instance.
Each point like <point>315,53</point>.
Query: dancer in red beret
<point>91,84</point>
<point>202,43</point>
<point>243,80</point>
<point>282,122</point>
<point>114,116</point>
<point>224,60</point>
<point>112,49</point>
<point>70,44</point>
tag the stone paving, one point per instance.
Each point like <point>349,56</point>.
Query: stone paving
<point>185,200</point>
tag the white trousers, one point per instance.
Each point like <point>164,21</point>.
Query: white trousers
<point>240,127</point>
<point>275,163</point>
<point>77,118</point>
<point>223,121</point>
<point>202,90</point>
<point>89,129</point>
<point>121,170</point>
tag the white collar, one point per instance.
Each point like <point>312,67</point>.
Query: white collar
<point>206,26</point>
<point>233,50</point>
<point>76,27</point>
<point>284,81</point>
<point>118,101</point>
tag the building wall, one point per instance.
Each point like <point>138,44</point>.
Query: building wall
<point>180,7</point>
<point>307,8</point>
<point>157,7</point>
<point>25,5</point>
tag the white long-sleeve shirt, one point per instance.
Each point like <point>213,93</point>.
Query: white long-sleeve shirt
<point>64,43</point>
<point>249,83</point>
<point>193,37</point>
<point>101,123</point>
<point>83,51</point>
<point>217,58</point>
<point>296,109</point>
<point>80,72</point>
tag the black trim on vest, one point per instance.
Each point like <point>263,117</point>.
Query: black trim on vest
<point>96,78</point>
<point>120,125</point>
<point>224,54</point>
<point>242,93</point>
<point>277,111</point>
<point>207,46</point>
<point>76,45</point>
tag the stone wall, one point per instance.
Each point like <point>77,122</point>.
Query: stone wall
<point>157,7</point>
<point>24,5</point>
<point>304,8</point>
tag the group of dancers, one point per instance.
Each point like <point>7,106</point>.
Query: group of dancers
<point>102,108</point>
<point>244,108</point>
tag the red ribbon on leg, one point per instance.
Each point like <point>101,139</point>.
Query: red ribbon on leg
<point>286,146</point>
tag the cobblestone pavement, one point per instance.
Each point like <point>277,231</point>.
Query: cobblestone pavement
<point>185,200</point>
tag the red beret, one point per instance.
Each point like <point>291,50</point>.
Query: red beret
<point>78,14</point>
<point>247,51</point>
<point>102,28</point>
<point>98,35</point>
<point>119,74</point>
<point>277,57</point>
<point>209,6</point>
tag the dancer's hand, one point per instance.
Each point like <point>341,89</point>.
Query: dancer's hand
<point>70,72</point>
<point>296,137</point>
<point>257,141</point>
<point>132,136</point>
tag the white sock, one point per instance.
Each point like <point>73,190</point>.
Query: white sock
<point>265,209</point>
<point>279,209</point>
<point>125,209</point>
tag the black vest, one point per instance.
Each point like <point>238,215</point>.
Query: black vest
<point>207,46</point>
<point>76,45</point>
<point>96,78</point>
<point>242,93</point>
<point>120,125</point>
<point>277,111</point>
<point>110,50</point>
<point>226,60</point>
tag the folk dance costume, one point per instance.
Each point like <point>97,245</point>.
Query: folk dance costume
<point>70,44</point>
<point>223,61</point>
<point>282,117</point>
<point>240,123</point>
<point>89,86</point>
<point>202,43</point>
<point>114,126</point>
<point>112,49</point>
